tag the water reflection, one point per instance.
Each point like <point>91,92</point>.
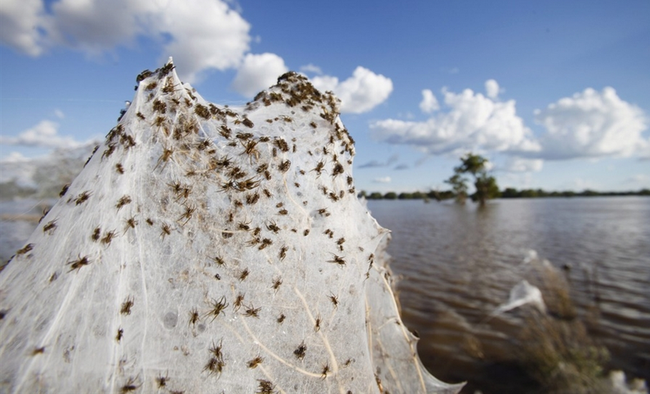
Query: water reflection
<point>459,263</point>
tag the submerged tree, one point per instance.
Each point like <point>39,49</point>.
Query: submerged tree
<point>459,187</point>
<point>486,185</point>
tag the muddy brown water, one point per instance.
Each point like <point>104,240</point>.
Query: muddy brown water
<point>457,264</point>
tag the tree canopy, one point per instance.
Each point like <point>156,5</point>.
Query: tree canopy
<point>485,184</point>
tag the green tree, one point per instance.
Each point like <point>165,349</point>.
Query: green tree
<point>510,192</point>
<point>486,188</point>
<point>459,187</point>
<point>474,164</point>
<point>486,185</point>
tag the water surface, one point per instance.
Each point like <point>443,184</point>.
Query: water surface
<point>457,264</point>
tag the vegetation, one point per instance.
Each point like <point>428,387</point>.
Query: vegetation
<point>486,185</point>
<point>537,193</point>
<point>556,349</point>
<point>506,193</point>
<point>458,188</point>
<point>430,195</point>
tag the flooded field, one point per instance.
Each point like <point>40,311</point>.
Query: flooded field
<point>457,265</point>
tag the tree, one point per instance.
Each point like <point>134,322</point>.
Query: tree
<point>474,164</point>
<point>486,185</point>
<point>459,187</point>
<point>486,188</point>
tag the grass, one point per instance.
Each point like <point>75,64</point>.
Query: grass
<point>556,349</point>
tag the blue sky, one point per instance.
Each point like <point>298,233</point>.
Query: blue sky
<point>555,94</point>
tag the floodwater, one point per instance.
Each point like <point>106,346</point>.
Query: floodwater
<point>18,219</point>
<point>457,264</point>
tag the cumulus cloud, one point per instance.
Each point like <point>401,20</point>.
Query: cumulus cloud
<point>429,102</point>
<point>363,91</point>
<point>42,135</point>
<point>593,124</point>
<point>385,179</point>
<point>199,34</point>
<point>473,122</point>
<point>21,22</point>
<point>519,164</point>
<point>492,88</point>
<point>310,68</point>
<point>14,157</point>
<point>258,72</point>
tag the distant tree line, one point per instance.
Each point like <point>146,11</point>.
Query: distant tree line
<point>506,193</point>
<point>486,187</point>
<point>536,193</point>
<point>431,195</point>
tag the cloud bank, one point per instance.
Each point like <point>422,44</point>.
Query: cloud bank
<point>199,34</point>
<point>43,135</point>
<point>472,122</point>
<point>589,124</point>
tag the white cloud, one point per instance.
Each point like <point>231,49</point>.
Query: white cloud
<point>310,68</point>
<point>20,21</point>
<point>199,34</point>
<point>518,164</point>
<point>206,34</point>
<point>593,124</point>
<point>59,114</point>
<point>42,135</point>
<point>429,102</point>
<point>14,157</point>
<point>325,83</point>
<point>385,179</point>
<point>474,122</point>
<point>492,88</point>
<point>258,72</point>
<point>360,93</point>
